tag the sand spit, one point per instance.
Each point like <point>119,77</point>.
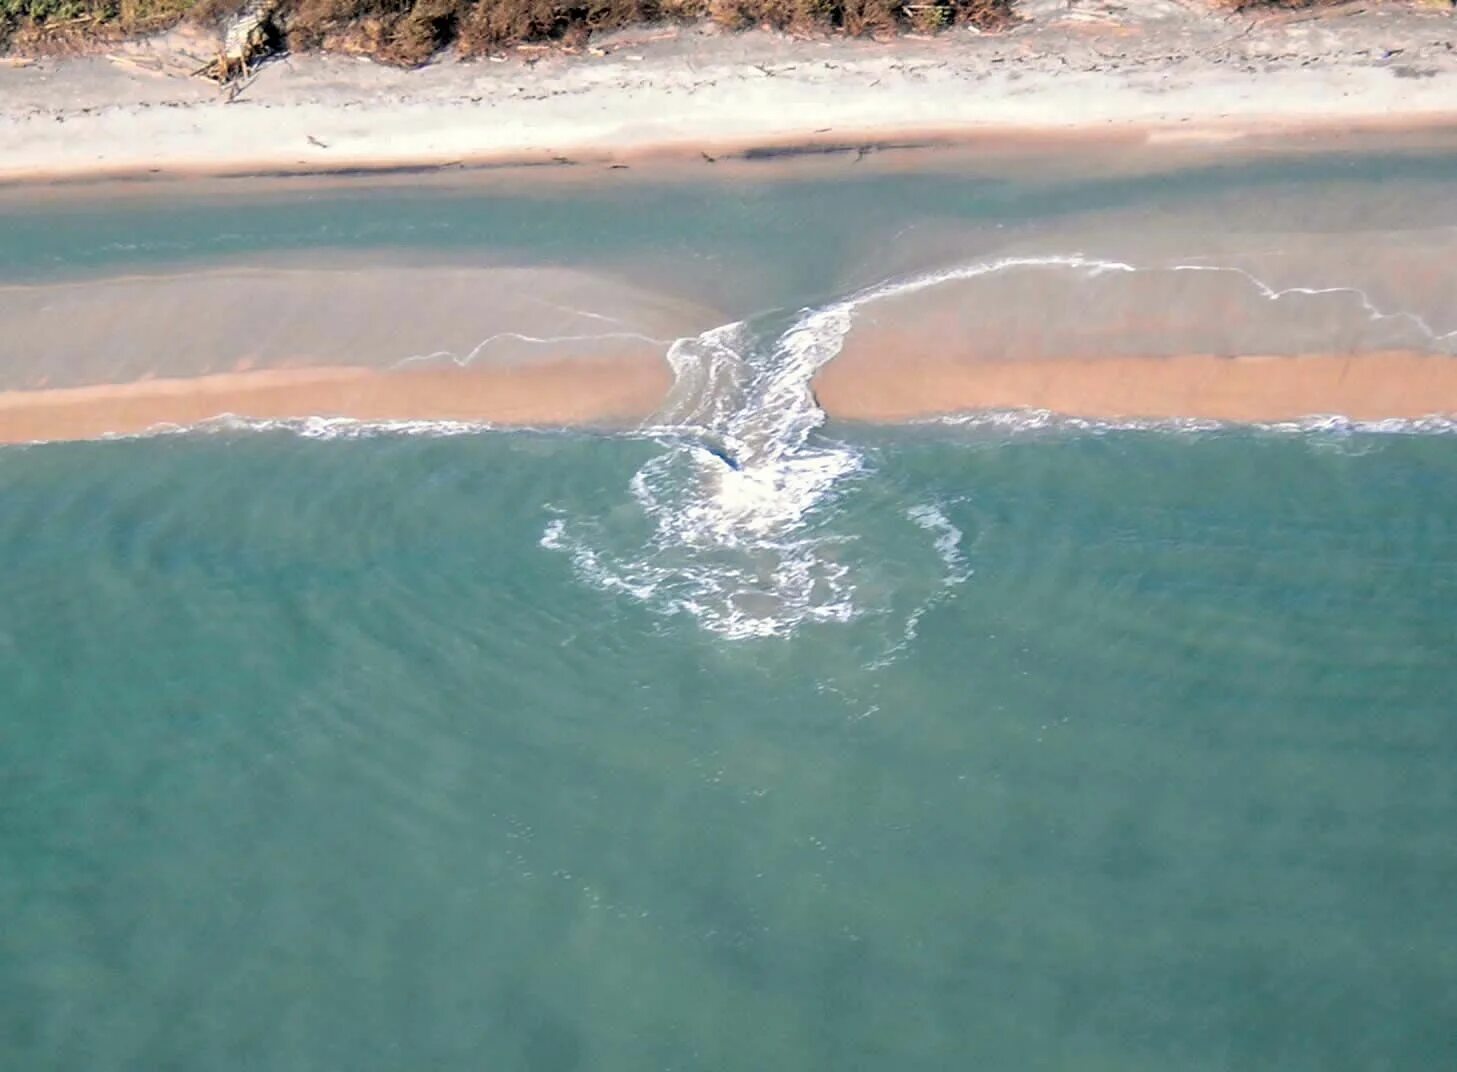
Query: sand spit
<point>523,346</point>
<point>328,313</point>
<point>1174,74</point>
<point>551,393</point>
<point>1377,386</point>
<point>550,346</point>
<point>621,391</point>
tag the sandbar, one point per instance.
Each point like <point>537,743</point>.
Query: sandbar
<point>1247,388</point>
<point>582,391</point>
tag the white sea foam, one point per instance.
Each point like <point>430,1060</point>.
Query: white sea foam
<point>321,428</point>
<point>483,347</point>
<point>931,517</point>
<point>1031,421</point>
<point>1428,333</point>
<point>741,531</point>
<point>738,502</point>
<point>743,536</point>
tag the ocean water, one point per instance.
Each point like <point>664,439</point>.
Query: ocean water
<point>741,740</point>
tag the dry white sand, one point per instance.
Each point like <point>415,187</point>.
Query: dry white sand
<point>122,355</point>
<point>1167,70</point>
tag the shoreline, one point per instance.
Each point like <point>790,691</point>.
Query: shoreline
<point>1247,389</point>
<point>1220,138</point>
<point>584,392</point>
<point>1115,92</point>
<point>1065,76</point>
<point>576,392</point>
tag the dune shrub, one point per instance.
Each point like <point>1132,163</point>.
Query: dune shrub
<point>409,32</point>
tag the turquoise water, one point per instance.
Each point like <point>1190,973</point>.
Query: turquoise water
<point>740,743</point>
<point>799,234</point>
<point>315,758</point>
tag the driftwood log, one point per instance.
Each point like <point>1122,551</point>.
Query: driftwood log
<point>246,40</point>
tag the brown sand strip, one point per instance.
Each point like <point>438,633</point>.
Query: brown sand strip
<point>1363,386</point>
<point>579,391</point>
<point>625,390</point>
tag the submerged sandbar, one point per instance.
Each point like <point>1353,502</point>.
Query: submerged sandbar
<point>1212,293</point>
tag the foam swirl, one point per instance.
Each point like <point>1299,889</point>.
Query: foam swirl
<point>743,534</point>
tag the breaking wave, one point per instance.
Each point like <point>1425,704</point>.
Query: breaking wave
<point>740,522</point>
<point>738,504</point>
<point>739,510</point>
<point>1025,421</point>
<point>320,428</point>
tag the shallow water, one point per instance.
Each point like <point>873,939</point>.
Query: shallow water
<point>739,742</point>
<point>316,758</point>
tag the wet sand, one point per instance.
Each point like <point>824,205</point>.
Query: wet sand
<point>885,387</point>
<point>1301,301</point>
<point>1259,337</point>
<point>328,312</point>
<point>377,342</point>
<point>1248,388</point>
<point>582,391</point>
<point>551,346</point>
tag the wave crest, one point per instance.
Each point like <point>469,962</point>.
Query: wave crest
<point>743,536</point>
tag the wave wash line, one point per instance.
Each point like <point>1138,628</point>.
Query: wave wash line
<point>743,537</point>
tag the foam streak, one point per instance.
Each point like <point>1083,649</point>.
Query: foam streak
<point>743,537</point>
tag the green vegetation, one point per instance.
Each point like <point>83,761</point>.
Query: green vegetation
<point>130,16</point>
<point>410,31</point>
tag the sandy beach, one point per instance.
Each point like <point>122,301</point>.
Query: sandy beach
<point>1236,336</point>
<point>1079,86</point>
<point>1153,70</point>
<point>327,314</point>
<point>1367,387</point>
<point>624,391</point>
<point>552,393</point>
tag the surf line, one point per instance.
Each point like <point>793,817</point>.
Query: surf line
<point>742,536</point>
